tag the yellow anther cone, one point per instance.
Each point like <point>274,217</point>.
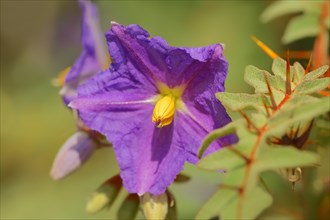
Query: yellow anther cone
<point>164,111</point>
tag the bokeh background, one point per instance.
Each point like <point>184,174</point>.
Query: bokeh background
<point>41,38</point>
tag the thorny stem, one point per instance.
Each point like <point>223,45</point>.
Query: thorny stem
<point>256,146</point>
<point>235,151</point>
<point>274,106</point>
<point>250,124</point>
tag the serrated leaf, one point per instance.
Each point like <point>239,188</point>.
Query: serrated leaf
<point>311,86</point>
<point>284,7</point>
<point>256,78</point>
<point>240,101</point>
<point>227,129</point>
<point>284,157</point>
<point>248,207</point>
<point>316,73</point>
<point>219,199</point>
<point>306,25</point>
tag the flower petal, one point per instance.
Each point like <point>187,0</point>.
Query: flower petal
<point>114,90</point>
<point>131,45</point>
<point>186,63</point>
<point>199,97</point>
<point>149,158</point>
<point>74,152</point>
<point>93,57</point>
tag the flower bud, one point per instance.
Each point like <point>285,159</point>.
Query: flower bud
<point>154,207</point>
<point>74,152</point>
<point>105,195</point>
<point>129,208</point>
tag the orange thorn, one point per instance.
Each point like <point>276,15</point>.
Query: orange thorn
<point>249,121</point>
<point>265,48</point>
<point>288,78</point>
<point>274,106</point>
<point>265,105</point>
<point>324,93</point>
<point>308,67</point>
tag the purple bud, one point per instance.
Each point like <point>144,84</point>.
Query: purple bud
<point>74,152</point>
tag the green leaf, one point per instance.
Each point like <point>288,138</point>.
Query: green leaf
<point>311,86</point>
<point>224,159</point>
<point>279,69</point>
<point>239,101</point>
<point>298,72</point>
<point>306,25</point>
<point>316,73</point>
<point>284,157</point>
<point>227,129</point>
<point>297,109</point>
<point>248,207</point>
<point>219,199</point>
<point>256,78</point>
<point>284,7</point>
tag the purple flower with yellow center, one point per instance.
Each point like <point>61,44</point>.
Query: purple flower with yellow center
<point>155,104</point>
<point>93,58</point>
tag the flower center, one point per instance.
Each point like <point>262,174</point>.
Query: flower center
<point>169,100</point>
<point>164,111</point>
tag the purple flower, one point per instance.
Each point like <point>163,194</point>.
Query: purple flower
<point>93,58</point>
<point>81,145</point>
<point>155,104</point>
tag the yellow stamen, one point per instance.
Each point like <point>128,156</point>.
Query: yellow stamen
<point>164,111</point>
<point>265,48</point>
<point>60,80</point>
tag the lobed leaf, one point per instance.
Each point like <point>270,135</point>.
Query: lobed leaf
<point>256,78</point>
<point>240,197</point>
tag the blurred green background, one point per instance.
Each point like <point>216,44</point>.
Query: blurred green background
<point>40,38</point>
